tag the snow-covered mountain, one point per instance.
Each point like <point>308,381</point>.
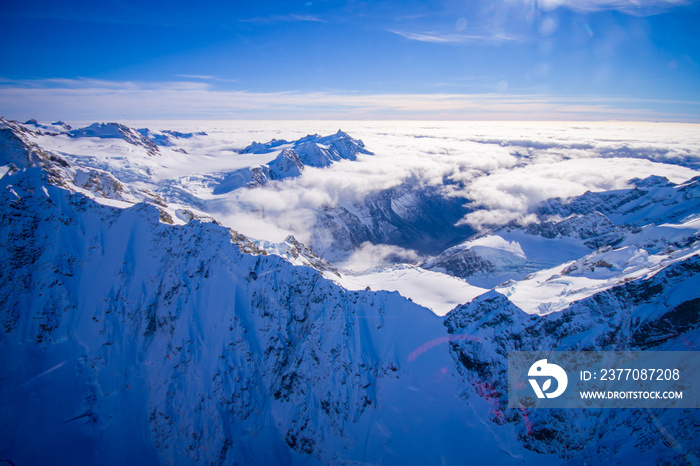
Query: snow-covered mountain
<point>309,151</point>
<point>135,314</point>
<point>116,131</point>
<point>166,137</point>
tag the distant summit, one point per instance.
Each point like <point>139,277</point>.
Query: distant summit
<point>143,137</point>
<point>115,131</point>
<point>309,151</point>
<point>164,138</point>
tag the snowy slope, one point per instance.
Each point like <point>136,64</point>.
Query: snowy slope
<point>506,255</point>
<point>436,291</point>
<point>641,252</point>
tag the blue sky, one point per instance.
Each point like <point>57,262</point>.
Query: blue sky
<point>508,59</point>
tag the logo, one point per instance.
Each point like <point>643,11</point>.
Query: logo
<point>543,369</point>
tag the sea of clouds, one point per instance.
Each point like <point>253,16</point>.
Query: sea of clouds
<point>503,168</point>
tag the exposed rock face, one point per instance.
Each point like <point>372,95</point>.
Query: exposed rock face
<point>594,227</point>
<point>420,219</point>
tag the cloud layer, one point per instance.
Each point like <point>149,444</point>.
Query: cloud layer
<point>90,99</point>
<point>633,7</point>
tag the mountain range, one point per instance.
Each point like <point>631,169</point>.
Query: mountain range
<point>140,326</point>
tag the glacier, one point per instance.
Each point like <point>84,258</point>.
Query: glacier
<point>144,321</point>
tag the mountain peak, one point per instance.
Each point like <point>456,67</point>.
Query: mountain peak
<point>309,151</point>
<point>116,131</point>
<point>650,181</point>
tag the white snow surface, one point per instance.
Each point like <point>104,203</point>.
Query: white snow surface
<point>437,291</point>
<point>556,288</point>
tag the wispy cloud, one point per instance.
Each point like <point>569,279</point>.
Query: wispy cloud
<point>95,99</point>
<point>451,38</point>
<point>283,19</point>
<point>91,85</point>
<point>494,29</point>
<point>203,77</point>
<point>632,7</point>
